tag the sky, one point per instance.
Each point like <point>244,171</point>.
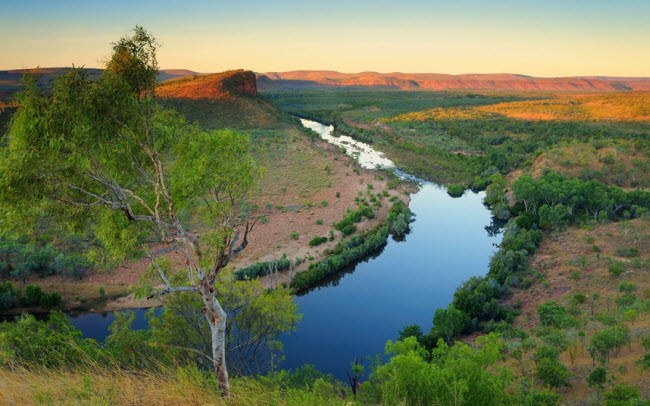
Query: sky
<point>542,38</point>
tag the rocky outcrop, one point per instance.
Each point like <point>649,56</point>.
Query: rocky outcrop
<point>241,82</point>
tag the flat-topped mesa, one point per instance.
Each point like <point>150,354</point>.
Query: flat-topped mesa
<point>216,86</point>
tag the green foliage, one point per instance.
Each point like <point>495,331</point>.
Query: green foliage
<point>554,218</point>
<point>412,330</point>
<point>262,269</point>
<point>622,394</point>
<point>551,372</point>
<point>345,253</point>
<point>455,190</point>
<point>455,375</point>
<point>9,296</point>
<point>354,216</point>
<point>551,314</point>
<point>449,323</point>
<point>22,260</point>
<point>131,348</point>
<point>73,266</point>
<point>35,297</point>
<point>99,153</point>
<point>542,397</point>
<point>616,269</point>
<point>644,362</point>
<point>564,197</point>
<point>51,343</point>
<point>607,341</point>
<point>398,219</point>
<point>317,241</point>
<point>597,378</point>
<point>256,317</point>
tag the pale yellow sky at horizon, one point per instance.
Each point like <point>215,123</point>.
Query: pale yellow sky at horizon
<point>548,39</point>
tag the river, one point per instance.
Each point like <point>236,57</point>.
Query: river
<point>353,315</point>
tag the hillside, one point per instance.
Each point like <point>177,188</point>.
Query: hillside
<point>576,269</point>
<point>437,81</point>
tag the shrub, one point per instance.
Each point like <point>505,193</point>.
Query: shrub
<point>51,343</point>
<point>262,269</point>
<point>616,269</point>
<point>9,296</point>
<point>551,313</point>
<point>345,253</point>
<point>552,372</point>
<point>622,394</point>
<point>317,241</point>
<point>294,235</point>
<point>35,297</point>
<point>348,229</point>
<point>398,219</point>
<point>455,190</point>
<point>73,266</point>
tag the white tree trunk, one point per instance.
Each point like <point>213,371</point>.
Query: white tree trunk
<point>216,317</point>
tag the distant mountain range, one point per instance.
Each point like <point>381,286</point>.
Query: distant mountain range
<point>11,81</point>
<point>437,81</point>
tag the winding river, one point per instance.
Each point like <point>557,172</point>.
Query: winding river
<point>353,315</point>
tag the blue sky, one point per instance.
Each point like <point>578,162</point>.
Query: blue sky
<point>545,38</point>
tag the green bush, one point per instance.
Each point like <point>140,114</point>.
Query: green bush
<point>348,229</point>
<point>455,190</point>
<point>553,373</point>
<point>399,219</point>
<point>9,295</point>
<point>74,266</point>
<point>51,343</point>
<point>622,394</point>
<point>262,269</point>
<point>317,241</point>
<point>345,253</point>
<point>616,269</point>
<point>35,297</point>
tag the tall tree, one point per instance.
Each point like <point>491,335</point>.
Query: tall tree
<point>102,153</point>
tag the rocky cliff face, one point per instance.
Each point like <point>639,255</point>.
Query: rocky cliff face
<point>242,82</point>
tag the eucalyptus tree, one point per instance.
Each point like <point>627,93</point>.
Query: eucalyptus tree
<point>100,153</point>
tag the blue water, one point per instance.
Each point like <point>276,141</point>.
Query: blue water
<point>404,285</point>
<point>95,325</point>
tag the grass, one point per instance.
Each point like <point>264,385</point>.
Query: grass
<point>618,162</point>
<point>183,386</point>
<point>619,106</point>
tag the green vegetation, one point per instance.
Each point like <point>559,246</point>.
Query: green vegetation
<point>316,241</point>
<point>459,138</point>
<point>262,269</point>
<point>355,248</point>
<point>102,157</point>
<point>33,296</point>
<point>455,190</point>
<point>21,260</point>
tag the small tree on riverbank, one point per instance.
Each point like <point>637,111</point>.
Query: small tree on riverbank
<point>102,155</point>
